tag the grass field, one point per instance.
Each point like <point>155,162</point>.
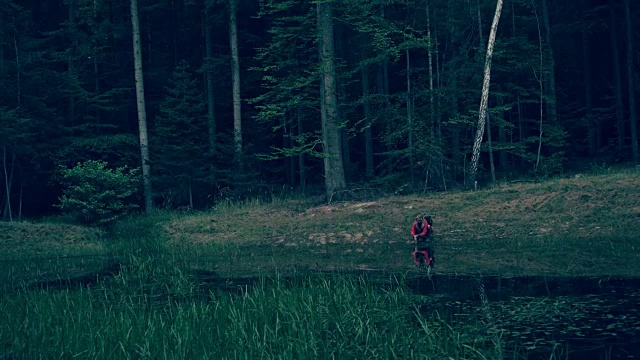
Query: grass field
<point>169,286</point>
<point>585,225</point>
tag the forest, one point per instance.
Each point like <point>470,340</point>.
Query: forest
<point>210,100</point>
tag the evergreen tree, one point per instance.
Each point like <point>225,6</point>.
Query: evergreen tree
<point>181,141</point>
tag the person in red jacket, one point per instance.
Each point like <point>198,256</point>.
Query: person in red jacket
<point>421,230</point>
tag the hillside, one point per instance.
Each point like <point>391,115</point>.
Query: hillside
<point>584,225</point>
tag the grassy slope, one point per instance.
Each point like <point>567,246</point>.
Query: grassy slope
<point>19,240</point>
<point>579,226</point>
<point>34,252</point>
<point>585,225</point>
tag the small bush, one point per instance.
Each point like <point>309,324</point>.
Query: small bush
<point>95,194</point>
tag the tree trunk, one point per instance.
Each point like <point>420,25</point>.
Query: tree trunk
<point>333,168</point>
<point>235,75</point>
<point>409,119</point>
<point>1,45</point>
<point>18,70</point>
<point>432,103</point>
<point>541,84</point>
<point>142,114</point>
<point>551,103</point>
<point>438,93</point>
<point>617,77</point>
<point>7,183</point>
<point>492,166</point>
<point>489,143</point>
<point>631,83</point>
<point>211,117</point>
<point>592,122</point>
<point>485,95</point>
<point>368,132</point>
<point>71,77</point>
<point>344,129</point>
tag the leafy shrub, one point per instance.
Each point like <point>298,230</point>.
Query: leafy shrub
<point>95,194</point>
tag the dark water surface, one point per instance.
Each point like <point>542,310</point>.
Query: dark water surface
<point>531,317</point>
<point>537,317</point>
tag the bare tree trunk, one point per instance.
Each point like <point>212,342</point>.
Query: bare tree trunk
<point>489,143</point>
<point>541,83</point>
<point>7,182</point>
<point>409,119</point>
<point>368,133</point>
<point>432,104</point>
<point>211,117</point>
<point>631,84</point>
<point>439,85</point>
<point>235,74</point>
<point>20,205</point>
<point>142,113</point>
<point>492,166</point>
<point>551,103</point>
<point>592,122</point>
<point>344,129</point>
<point>18,70</point>
<point>617,77</point>
<point>1,44</point>
<point>71,71</point>
<point>333,168</point>
<point>485,95</point>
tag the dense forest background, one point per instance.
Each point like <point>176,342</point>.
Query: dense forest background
<point>246,97</point>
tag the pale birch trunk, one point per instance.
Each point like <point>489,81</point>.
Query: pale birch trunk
<point>432,112</point>
<point>489,142</point>
<point>541,84</point>
<point>485,95</point>
<point>235,75</point>
<point>142,114</point>
<point>333,167</point>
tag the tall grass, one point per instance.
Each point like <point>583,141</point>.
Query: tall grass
<point>141,314</point>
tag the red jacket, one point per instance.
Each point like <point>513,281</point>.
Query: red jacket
<point>425,227</point>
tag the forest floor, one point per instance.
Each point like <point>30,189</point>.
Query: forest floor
<point>579,226</point>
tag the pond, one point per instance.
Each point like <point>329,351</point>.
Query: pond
<point>530,317</point>
<point>536,317</point>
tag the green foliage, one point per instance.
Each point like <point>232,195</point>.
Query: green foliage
<point>180,143</point>
<point>147,310</point>
<point>95,194</point>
